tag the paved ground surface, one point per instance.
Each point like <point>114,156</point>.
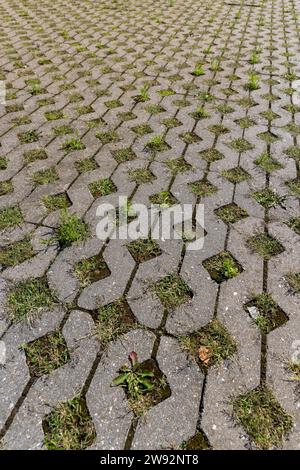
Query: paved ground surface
<point>73,70</point>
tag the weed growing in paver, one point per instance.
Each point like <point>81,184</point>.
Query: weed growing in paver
<point>6,187</point>
<point>240,145</point>
<point>254,58</point>
<point>236,175</point>
<point>113,320</point>
<point>85,110</point>
<point>167,92</point>
<point>16,253</point>
<point>143,94</point>
<point>294,224</point>
<point>294,281</point>
<point>268,315</point>
<point>93,123</point>
<point>163,199</point>
<point>218,129</point>
<point>144,384</point>
<point>202,188</point>
<point>267,163</point>
<point>293,152</point>
<point>127,116</point>
<point>108,137</point>
<point>253,82</point>
<point>262,417</point>
<point>211,155</point>
<point>46,354</point>
<point>157,144</point>
<point>91,270</point>
<point>245,122</point>
<point>70,230</point>
<point>154,109</point>
<point>268,198</point>
<point>178,165</point>
<point>172,291</point>
<point>222,266</point>
<point>49,175</point>
<point>86,164</point>
<point>224,108</point>
<point>73,144</point>
<point>28,137</point>
<point>294,186</point>
<point>10,217</point>
<point>54,115</point>
<point>63,130</point>
<point>231,213</point>
<point>124,155</point>
<point>102,187</point>
<point>200,113</point>
<point>171,122</point>
<point>35,154</point>
<point>3,163</point>
<point>56,201</point>
<point>198,442</point>
<point>265,245</point>
<point>209,345</point>
<point>190,138</point>
<point>45,102</point>
<point>75,97</point>
<point>293,128</point>
<point>27,299</point>
<point>69,426</point>
<point>268,137</point>
<point>198,70</point>
<point>141,175</point>
<point>142,129</point>
<point>144,249</point>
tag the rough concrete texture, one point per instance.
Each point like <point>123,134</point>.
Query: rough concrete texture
<point>219,85</point>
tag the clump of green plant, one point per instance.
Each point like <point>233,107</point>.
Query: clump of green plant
<point>264,420</point>
<point>108,137</point>
<point>10,217</point>
<point>35,154</point>
<point>144,384</point>
<point>143,94</point>
<point>198,70</point>
<point>46,354</point>
<point>144,249</point>
<point>200,113</point>
<point>202,188</point>
<point>113,320</point>
<point>49,175</point>
<point>56,201</point>
<point>240,145</point>
<point>222,266</point>
<point>254,58</point>
<point>265,245</point>
<point>16,253</point>
<point>141,175</point>
<point>294,224</point>
<point>70,230</point>
<point>164,199</point>
<point>172,291</point>
<point>236,175</point>
<point>157,144</point>
<point>294,186</point>
<point>102,187</point>
<point>210,345</point>
<point>178,165</point>
<point>267,314</point>
<point>91,270</point>
<point>231,213</point>
<point>124,155</point>
<point>28,137</point>
<point>294,281</point>
<point>267,163</point>
<point>69,426</point>
<point>190,138</point>
<point>27,299</point>
<point>54,115</point>
<point>73,144</point>
<point>268,198</point>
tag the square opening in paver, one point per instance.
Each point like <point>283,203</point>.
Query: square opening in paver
<point>222,266</point>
